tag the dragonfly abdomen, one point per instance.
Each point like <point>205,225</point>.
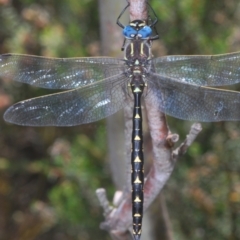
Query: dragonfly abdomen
<point>137,160</point>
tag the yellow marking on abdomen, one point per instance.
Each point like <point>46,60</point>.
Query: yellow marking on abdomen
<point>137,90</point>
<point>137,215</point>
<point>137,138</point>
<point>137,180</point>
<point>137,159</point>
<point>137,199</point>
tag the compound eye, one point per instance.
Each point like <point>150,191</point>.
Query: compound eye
<point>129,32</point>
<point>145,32</point>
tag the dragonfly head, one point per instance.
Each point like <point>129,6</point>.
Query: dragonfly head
<point>137,29</point>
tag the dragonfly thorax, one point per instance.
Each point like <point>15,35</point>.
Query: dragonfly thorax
<point>137,56</point>
<point>138,49</point>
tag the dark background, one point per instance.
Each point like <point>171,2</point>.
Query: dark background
<point>48,176</point>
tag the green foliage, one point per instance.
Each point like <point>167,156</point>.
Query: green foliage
<point>74,198</point>
<point>195,27</point>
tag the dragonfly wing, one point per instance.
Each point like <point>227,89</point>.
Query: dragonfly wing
<point>58,73</point>
<point>217,70</point>
<point>191,102</point>
<point>73,107</point>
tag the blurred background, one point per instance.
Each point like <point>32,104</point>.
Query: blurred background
<point>48,176</point>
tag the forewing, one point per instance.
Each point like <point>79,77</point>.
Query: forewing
<point>58,73</point>
<point>209,70</point>
<point>73,107</point>
<point>191,102</point>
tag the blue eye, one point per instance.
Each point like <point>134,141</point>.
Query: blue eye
<point>145,32</point>
<point>129,32</point>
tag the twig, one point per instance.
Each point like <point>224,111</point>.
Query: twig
<point>102,198</point>
<point>196,128</point>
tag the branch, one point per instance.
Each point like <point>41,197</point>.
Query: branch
<point>138,10</point>
<point>164,158</point>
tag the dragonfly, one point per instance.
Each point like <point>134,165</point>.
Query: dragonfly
<point>185,87</point>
